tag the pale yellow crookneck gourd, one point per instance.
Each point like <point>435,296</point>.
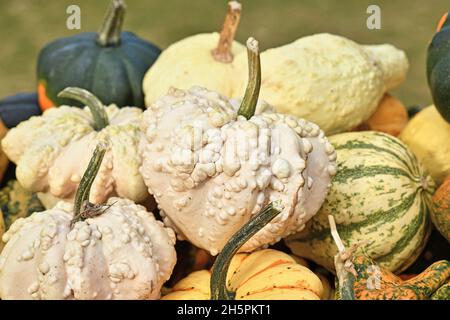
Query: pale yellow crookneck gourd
<point>205,60</point>
<point>212,163</point>
<point>80,250</point>
<point>264,275</point>
<point>52,151</point>
<point>327,79</point>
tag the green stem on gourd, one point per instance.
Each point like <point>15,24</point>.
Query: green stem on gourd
<point>109,33</point>
<point>220,268</point>
<point>95,105</point>
<point>248,105</point>
<point>84,188</point>
<point>222,52</point>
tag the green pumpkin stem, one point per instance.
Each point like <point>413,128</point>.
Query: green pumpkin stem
<point>84,188</point>
<point>220,268</point>
<point>109,33</point>
<point>222,52</point>
<point>95,105</point>
<point>248,105</point>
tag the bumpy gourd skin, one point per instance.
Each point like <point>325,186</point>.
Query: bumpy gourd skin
<point>428,136</point>
<point>188,63</point>
<point>262,275</point>
<point>375,283</point>
<point>443,293</point>
<point>53,150</point>
<point>123,253</point>
<point>327,79</point>
<point>210,170</point>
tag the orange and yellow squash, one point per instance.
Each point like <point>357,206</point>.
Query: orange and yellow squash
<point>264,275</point>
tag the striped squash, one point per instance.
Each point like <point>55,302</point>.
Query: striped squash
<point>379,197</point>
<point>262,275</point>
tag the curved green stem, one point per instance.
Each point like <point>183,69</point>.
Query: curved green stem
<point>109,33</point>
<point>84,188</point>
<point>220,268</point>
<point>248,105</point>
<point>95,105</point>
<point>222,52</point>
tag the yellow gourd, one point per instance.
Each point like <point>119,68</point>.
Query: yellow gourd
<point>428,136</point>
<point>205,60</point>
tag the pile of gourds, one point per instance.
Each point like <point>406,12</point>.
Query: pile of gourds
<point>213,171</point>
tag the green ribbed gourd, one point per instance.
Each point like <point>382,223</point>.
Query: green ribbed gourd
<point>379,198</point>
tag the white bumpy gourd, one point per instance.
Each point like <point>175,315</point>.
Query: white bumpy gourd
<point>80,251</point>
<point>122,254</point>
<point>52,151</point>
<point>212,165</point>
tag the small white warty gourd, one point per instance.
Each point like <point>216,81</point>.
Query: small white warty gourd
<point>84,251</point>
<point>52,151</point>
<point>212,167</point>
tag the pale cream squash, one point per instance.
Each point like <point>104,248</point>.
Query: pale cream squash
<point>205,60</point>
<point>327,79</point>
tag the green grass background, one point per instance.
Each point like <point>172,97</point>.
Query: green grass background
<point>27,25</point>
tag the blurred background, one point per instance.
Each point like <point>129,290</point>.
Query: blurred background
<point>27,25</point>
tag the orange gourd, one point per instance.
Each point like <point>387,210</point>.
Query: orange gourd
<point>390,117</point>
<point>440,215</point>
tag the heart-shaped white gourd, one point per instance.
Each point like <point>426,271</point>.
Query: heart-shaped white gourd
<point>212,165</point>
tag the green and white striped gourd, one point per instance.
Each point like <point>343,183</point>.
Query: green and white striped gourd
<point>379,197</point>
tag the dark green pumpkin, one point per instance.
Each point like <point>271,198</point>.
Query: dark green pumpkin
<point>111,64</point>
<point>438,67</point>
<point>18,108</point>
